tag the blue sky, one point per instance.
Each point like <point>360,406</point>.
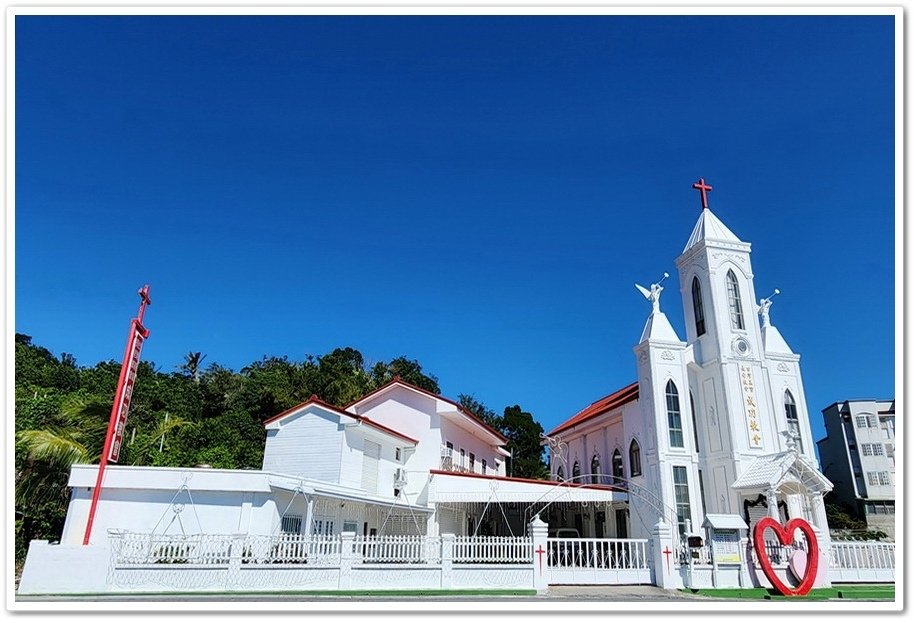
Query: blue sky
<point>476,193</point>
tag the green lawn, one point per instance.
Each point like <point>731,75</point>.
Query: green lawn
<point>839,591</point>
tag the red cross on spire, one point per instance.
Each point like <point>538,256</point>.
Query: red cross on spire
<point>703,187</point>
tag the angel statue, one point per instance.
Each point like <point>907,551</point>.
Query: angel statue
<point>653,293</point>
<point>764,309</point>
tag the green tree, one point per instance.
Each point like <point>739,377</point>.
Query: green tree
<point>524,435</point>
<point>481,411</point>
<point>192,365</point>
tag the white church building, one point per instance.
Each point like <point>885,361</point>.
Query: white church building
<point>407,489</point>
<point>716,424</point>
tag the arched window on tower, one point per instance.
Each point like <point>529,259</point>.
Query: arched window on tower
<point>635,461</point>
<point>617,467</point>
<point>734,300</point>
<point>577,471</point>
<point>596,469</point>
<point>673,403</point>
<point>792,420</point>
<point>560,474</point>
<point>698,316</point>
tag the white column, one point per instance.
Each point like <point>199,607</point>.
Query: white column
<point>664,555</point>
<point>346,560</point>
<point>538,531</point>
<point>309,514</point>
<point>448,554</point>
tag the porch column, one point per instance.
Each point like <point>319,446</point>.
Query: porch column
<point>772,508</point>
<point>309,513</point>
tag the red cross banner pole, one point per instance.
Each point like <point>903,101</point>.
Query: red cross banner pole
<point>111,450</point>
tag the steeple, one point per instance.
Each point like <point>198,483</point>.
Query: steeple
<point>709,227</point>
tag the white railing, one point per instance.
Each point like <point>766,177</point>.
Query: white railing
<point>291,549</point>
<point>130,548</point>
<point>862,555</point>
<point>492,549</point>
<point>598,553</point>
<point>700,555</point>
<point>408,549</point>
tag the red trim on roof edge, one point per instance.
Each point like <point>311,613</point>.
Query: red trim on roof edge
<point>602,405</point>
<point>359,418</point>
<point>399,381</point>
<point>530,480</point>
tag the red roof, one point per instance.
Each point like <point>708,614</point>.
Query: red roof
<point>359,418</point>
<point>618,398</point>
<point>399,381</point>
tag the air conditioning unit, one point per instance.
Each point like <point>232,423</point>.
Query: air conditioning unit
<point>400,477</point>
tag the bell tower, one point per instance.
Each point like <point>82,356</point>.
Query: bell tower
<point>727,372</point>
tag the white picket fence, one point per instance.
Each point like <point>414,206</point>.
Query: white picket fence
<point>490,549</point>
<point>862,561</point>
<point>849,561</point>
<point>340,562</point>
<point>406,549</point>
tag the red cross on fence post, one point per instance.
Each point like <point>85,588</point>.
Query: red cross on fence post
<point>703,187</point>
<point>667,553</point>
<point>540,552</point>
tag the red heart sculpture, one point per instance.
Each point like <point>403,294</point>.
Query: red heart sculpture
<point>785,537</point>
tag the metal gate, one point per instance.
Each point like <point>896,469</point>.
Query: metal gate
<point>598,561</point>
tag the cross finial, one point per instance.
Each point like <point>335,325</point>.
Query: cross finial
<point>703,187</point>
<point>144,301</point>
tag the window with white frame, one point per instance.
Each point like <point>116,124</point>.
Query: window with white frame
<point>291,524</point>
<point>878,448</point>
<point>884,478</point>
<point>873,478</point>
<point>635,461</point>
<point>473,463</point>
<point>861,421</point>
<point>866,449</point>
<point>397,455</point>
<point>734,300</point>
<point>675,432</point>
<point>463,456</point>
<point>698,317</point>
<point>323,526</point>
<point>681,498</point>
<point>449,449</point>
<point>792,420</point>
<point>483,466</point>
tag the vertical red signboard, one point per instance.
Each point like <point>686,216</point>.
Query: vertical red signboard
<point>118,419</point>
<point>122,398</point>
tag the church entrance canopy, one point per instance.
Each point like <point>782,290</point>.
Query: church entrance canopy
<point>785,471</point>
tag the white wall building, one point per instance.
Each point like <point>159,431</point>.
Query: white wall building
<point>715,423</point>
<point>858,455</point>
<point>398,461</point>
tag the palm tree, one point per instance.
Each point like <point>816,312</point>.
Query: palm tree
<point>192,365</point>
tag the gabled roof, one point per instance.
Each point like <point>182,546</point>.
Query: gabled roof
<point>618,398</point>
<point>315,400</point>
<point>774,470</point>
<point>398,381</point>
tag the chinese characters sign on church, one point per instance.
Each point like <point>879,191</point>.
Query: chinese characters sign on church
<point>751,414</point>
